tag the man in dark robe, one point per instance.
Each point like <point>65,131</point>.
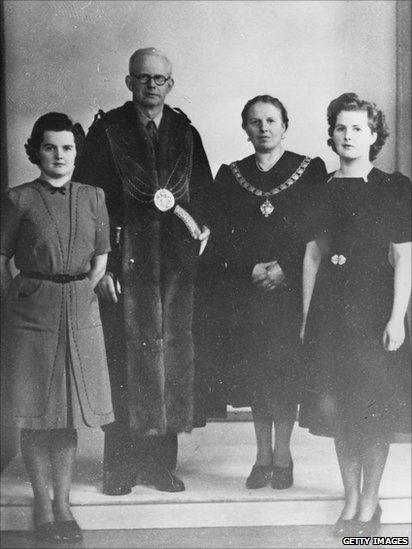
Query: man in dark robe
<point>150,162</point>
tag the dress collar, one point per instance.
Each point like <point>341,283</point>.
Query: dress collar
<point>364,175</point>
<point>52,189</point>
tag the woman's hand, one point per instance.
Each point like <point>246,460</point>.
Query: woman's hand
<point>275,276</point>
<point>302,332</point>
<point>259,273</point>
<point>108,289</point>
<point>268,275</point>
<point>393,335</point>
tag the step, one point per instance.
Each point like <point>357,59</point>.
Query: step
<point>214,463</point>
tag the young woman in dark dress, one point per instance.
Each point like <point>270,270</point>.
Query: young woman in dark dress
<point>359,272</point>
<point>54,371</point>
<point>258,238</point>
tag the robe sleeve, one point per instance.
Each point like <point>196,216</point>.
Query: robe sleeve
<point>96,167</point>
<point>201,184</point>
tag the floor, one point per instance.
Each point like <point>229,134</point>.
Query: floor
<point>254,537</point>
<point>216,510</point>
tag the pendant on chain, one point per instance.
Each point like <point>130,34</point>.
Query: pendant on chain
<point>164,200</point>
<point>266,208</point>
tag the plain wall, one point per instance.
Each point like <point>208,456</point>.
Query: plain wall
<point>73,56</point>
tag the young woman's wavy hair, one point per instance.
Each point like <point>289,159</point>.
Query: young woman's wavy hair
<point>54,122</point>
<point>265,99</point>
<point>376,119</point>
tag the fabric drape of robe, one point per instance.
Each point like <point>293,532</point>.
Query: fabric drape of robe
<point>149,332</point>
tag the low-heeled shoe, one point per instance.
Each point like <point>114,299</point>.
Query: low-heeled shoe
<point>47,531</point>
<point>282,477</point>
<point>370,527</point>
<point>69,530</point>
<point>163,479</point>
<point>259,476</point>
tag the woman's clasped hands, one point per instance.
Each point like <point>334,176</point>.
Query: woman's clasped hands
<point>268,276</point>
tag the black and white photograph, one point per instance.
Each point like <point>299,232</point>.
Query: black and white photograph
<point>205,260</point>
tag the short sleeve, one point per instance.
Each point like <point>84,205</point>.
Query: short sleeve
<point>10,221</point>
<point>102,245</point>
<point>400,230</point>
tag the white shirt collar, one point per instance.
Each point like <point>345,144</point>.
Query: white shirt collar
<point>145,119</point>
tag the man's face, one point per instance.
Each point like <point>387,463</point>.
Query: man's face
<point>149,94</point>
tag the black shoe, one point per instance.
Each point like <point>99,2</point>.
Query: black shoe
<point>370,527</point>
<point>48,532</point>
<point>116,484</point>
<point>343,527</point>
<point>162,479</point>
<point>69,530</point>
<point>259,476</point>
<point>282,477</point>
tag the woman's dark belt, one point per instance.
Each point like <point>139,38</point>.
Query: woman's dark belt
<point>61,278</point>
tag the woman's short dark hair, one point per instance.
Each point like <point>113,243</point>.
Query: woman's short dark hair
<point>376,119</point>
<point>265,99</point>
<point>54,122</point>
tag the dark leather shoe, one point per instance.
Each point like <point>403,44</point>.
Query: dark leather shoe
<point>259,476</point>
<point>69,530</point>
<point>370,527</point>
<point>48,532</point>
<point>163,479</point>
<point>282,477</point>
<point>116,484</point>
<point>343,527</point>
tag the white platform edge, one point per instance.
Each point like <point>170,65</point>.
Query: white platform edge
<point>198,515</point>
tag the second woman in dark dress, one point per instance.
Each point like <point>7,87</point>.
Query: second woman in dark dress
<point>357,279</point>
<point>258,242</point>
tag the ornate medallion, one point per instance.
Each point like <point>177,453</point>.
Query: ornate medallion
<point>164,200</point>
<point>266,208</point>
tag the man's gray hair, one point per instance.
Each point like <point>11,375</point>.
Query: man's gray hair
<point>149,51</point>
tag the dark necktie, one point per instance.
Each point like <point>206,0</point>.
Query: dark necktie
<point>152,131</point>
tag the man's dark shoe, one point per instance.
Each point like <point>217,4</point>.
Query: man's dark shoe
<point>162,479</point>
<point>259,476</point>
<point>116,484</point>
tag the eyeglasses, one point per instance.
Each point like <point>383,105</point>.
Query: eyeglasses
<point>159,79</point>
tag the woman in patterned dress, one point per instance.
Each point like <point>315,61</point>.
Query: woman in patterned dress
<point>258,239</point>
<point>54,371</point>
<point>358,269</point>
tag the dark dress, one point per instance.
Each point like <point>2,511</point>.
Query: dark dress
<point>353,385</point>
<point>248,338</point>
<point>54,370</point>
